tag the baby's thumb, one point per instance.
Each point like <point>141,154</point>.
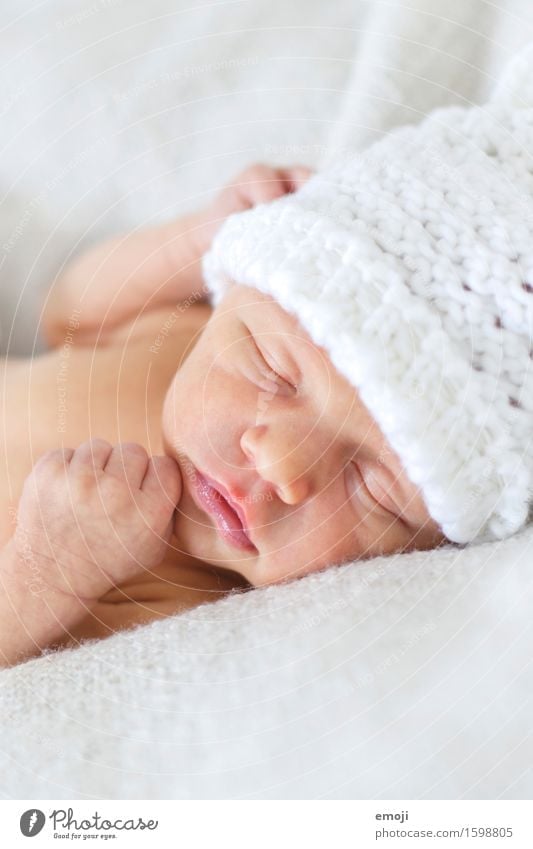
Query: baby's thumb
<point>163,477</point>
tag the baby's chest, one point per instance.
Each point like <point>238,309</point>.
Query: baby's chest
<point>61,400</point>
<point>75,393</point>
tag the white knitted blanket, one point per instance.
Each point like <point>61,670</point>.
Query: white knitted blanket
<point>402,677</point>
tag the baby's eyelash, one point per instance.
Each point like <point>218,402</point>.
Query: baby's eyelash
<point>267,369</point>
<point>357,486</point>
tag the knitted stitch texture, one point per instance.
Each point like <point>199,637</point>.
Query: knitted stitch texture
<point>412,265</point>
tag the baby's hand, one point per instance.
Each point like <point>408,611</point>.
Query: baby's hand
<point>256,184</point>
<point>91,518</point>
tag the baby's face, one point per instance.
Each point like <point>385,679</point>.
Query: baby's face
<point>258,408</point>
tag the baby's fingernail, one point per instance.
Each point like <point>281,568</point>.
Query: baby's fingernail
<point>300,174</point>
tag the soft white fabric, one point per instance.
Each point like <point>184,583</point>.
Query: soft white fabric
<point>411,263</point>
<point>403,677</point>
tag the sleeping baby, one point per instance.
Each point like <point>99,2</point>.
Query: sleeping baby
<point>339,370</point>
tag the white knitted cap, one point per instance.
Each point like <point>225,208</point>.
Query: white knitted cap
<point>412,265</point>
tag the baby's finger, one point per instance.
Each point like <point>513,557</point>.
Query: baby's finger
<point>296,176</point>
<point>128,462</point>
<point>37,485</point>
<point>58,456</point>
<point>92,454</point>
<point>163,476</point>
<point>262,184</point>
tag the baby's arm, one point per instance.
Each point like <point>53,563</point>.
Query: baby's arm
<point>32,613</point>
<point>88,519</point>
<point>119,279</point>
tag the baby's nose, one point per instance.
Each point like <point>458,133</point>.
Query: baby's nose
<point>285,469</point>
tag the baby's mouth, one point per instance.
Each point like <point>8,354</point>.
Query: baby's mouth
<point>228,521</point>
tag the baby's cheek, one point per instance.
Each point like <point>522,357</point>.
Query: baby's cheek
<point>345,536</point>
<point>330,537</point>
<point>180,408</point>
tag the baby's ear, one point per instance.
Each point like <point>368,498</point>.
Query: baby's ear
<point>514,89</point>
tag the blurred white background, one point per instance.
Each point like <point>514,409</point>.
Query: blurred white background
<point>115,114</point>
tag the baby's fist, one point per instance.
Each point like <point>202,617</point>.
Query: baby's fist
<point>97,515</point>
<point>257,184</point>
